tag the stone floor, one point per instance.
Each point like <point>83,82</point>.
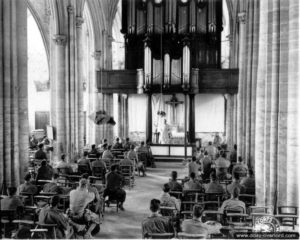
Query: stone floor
<point>127,224</point>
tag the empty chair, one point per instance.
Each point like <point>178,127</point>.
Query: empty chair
<point>287,215</point>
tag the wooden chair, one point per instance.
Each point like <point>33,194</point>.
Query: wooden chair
<point>182,235</point>
<point>168,211</point>
<point>49,227</point>
<point>248,199</point>
<point>214,197</point>
<point>160,235</point>
<point>83,168</point>
<point>42,200</point>
<point>107,163</point>
<point>99,172</point>
<point>287,215</point>
<point>177,195</point>
<point>28,198</point>
<point>235,215</point>
<point>127,172</point>
<point>212,215</point>
<point>142,156</point>
<point>7,217</point>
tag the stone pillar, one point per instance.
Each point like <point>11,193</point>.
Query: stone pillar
<point>192,118</point>
<point>149,119</point>
<point>229,127</point>
<point>277,105</point>
<point>79,86</point>
<point>123,115</point>
<point>241,113</point>
<point>59,81</point>
<point>14,127</point>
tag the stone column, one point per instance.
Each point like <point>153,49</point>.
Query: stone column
<point>59,81</point>
<point>192,118</point>
<point>229,127</point>
<point>14,127</point>
<point>79,86</point>
<point>149,119</point>
<point>241,107</point>
<point>123,115</point>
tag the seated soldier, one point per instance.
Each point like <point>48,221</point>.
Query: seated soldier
<point>97,201</point>
<point>214,186</point>
<point>249,183</point>
<point>173,184</point>
<point>235,183</point>
<point>107,154</point>
<point>28,186</point>
<point>194,166</point>
<point>79,200</point>
<point>94,152</point>
<point>52,215</point>
<point>85,160</point>
<point>99,162</point>
<point>233,202</point>
<point>127,144</point>
<point>40,154</point>
<point>114,184</point>
<point>222,165</point>
<point>131,155</point>
<point>117,144</point>
<point>62,164</point>
<point>45,172</point>
<point>12,202</point>
<point>128,162</point>
<point>192,184</point>
<point>167,200</point>
<point>195,225</point>
<point>155,223</point>
<point>240,168</point>
<point>206,166</point>
<point>53,187</point>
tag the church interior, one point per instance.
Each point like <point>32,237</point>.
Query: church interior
<point>149,119</point>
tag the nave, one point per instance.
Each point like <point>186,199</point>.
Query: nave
<point>127,224</point>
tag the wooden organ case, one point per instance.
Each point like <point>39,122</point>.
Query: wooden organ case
<point>170,39</point>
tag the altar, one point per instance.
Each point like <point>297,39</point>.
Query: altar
<point>171,152</point>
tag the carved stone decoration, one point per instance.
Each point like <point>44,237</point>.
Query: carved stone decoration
<point>60,39</point>
<point>79,21</point>
<point>242,17</point>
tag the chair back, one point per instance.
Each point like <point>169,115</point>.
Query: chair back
<point>248,199</point>
<point>216,197</point>
<point>126,170</point>
<point>176,194</point>
<point>98,172</point>
<point>261,209</point>
<point>160,235</point>
<point>287,215</point>
<point>168,211</point>
<point>83,168</point>
<point>62,171</point>
<point>182,235</point>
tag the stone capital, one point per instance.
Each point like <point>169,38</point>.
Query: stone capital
<point>60,39</point>
<point>79,21</point>
<point>241,18</point>
<point>96,55</point>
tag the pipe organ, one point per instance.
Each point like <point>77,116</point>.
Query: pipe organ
<point>169,38</point>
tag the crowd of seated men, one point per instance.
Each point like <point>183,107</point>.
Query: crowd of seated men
<point>80,210</point>
<point>210,172</point>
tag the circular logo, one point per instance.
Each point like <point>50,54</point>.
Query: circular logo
<point>266,224</point>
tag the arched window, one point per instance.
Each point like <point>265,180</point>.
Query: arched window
<point>38,77</point>
<point>118,43</point>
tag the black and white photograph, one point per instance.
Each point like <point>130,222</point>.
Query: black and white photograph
<point>149,119</point>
